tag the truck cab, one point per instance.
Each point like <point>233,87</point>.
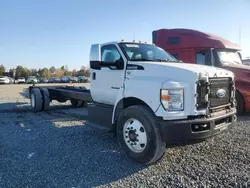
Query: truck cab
<point>197,47</point>
<point>149,98</point>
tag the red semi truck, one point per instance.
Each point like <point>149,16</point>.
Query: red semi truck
<point>192,46</point>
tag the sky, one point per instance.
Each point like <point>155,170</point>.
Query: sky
<point>45,33</point>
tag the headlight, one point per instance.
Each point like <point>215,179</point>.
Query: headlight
<point>172,99</point>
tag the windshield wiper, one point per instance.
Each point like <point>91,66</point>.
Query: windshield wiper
<point>153,59</point>
<point>142,59</point>
<point>156,59</point>
<point>167,60</point>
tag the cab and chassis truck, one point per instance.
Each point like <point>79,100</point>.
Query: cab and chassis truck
<point>148,98</point>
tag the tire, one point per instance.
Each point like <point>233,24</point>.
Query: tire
<point>154,148</point>
<point>239,103</point>
<point>61,100</point>
<point>36,100</point>
<point>46,98</point>
<point>76,103</point>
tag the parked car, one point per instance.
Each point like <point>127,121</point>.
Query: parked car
<point>82,79</point>
<point>43,80</point>
<point>51,80</point>
<point>21,80</point>
<point>12,81</point>
<point>65,79</point>
<point>74,79</point>
<point>4,80</point>
<point>54,80</point>
<point>57,80</point>
<point>32,80</point>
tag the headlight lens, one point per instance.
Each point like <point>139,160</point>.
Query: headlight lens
<point>172,99</point>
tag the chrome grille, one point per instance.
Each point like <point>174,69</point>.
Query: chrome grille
<point>217,85</point>
<point>214,93</point>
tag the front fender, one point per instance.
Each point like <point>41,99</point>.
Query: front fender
<point>144,89</point>
<point>189,101</point>
<point>244,89</point>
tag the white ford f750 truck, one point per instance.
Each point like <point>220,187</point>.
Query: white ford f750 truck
<point>149,98</point>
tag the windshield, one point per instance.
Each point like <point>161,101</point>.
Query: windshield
<point>229,57</point>
<point>146,52</point>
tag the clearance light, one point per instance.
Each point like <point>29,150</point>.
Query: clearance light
<point>122,40</point>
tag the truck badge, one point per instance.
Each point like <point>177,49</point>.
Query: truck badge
<point>220,93</point>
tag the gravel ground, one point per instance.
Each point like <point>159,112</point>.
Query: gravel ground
<point>56,149</point>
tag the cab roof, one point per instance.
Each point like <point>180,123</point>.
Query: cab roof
<point>124,41</point>
<point>191,38</point>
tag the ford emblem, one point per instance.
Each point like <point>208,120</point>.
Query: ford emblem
<point>221,93</point>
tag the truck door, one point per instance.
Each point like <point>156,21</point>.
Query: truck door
<point>106,82</point>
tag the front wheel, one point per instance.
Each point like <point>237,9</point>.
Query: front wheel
<point>138,135</point>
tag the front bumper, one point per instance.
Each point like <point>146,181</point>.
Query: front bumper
<point>196,128</point>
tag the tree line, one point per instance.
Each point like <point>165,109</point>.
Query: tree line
<point>21,71</point>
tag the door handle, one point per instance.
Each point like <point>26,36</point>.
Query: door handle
<point>94,76</point>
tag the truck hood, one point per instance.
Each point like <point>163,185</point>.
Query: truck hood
<point>241,72</point>
<point>182,70</point>
<point>232,67</point>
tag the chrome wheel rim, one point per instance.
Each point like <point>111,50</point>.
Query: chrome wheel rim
<point>135,135</point>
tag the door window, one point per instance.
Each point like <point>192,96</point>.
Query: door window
<point>203,58</point>
<point>110,54</point>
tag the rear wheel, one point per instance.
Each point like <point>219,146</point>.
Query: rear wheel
<point>239,103</point>
<point>36,100</point>
<point>46,98</point>
<point>138,135</point>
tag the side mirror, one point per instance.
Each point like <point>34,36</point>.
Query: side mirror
<point>99,64</point>
<point>118,64</point>
<point>95,65</point>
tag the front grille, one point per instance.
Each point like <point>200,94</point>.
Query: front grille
<point>214,94</point>
<point>217,85</point>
